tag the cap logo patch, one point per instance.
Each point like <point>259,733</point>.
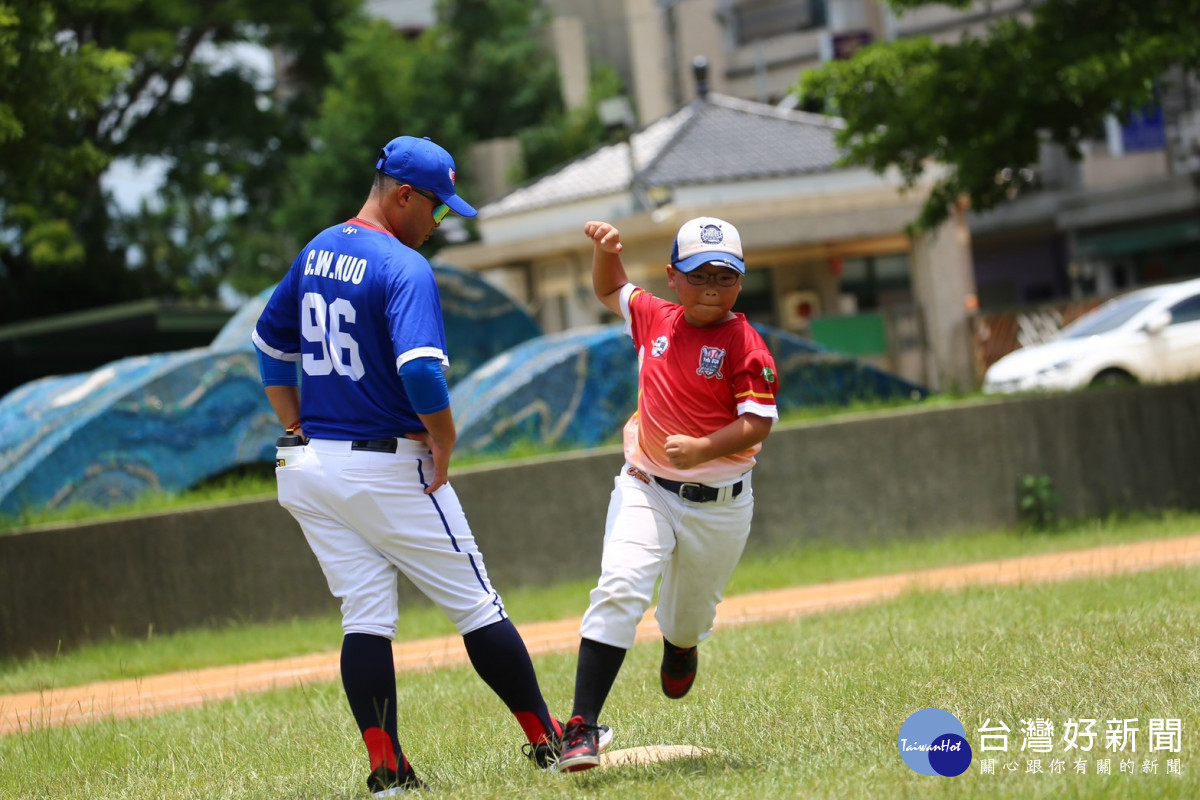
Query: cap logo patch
<point>711,234</point>
<point>453,178</point>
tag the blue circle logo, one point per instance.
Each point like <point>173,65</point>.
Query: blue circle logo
<point>934,742</point>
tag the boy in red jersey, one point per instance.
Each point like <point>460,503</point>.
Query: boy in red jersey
<point>682,503</point>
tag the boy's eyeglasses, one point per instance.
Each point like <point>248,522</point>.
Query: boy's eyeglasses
<point>440,209</point>
<point>724,279</point>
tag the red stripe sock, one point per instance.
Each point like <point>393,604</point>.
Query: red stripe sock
<point>381,750</point>
<point>535,729</point>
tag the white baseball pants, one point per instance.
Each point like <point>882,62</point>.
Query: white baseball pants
<point>366,517</point>
<point>652,533</point>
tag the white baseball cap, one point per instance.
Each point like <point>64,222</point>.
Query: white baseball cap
<point>707,240</point>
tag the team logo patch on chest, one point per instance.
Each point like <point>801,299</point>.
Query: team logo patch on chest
<point>660,347</point>
<point>711,359</point>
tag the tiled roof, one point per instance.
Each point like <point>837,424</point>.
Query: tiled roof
<point>729,140</point>
<point>717,138</point>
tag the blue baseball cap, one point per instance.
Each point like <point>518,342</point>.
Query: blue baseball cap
<point>424,165</point>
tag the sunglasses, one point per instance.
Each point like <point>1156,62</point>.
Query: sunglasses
<point>440,209</point>
<point>723,278</point>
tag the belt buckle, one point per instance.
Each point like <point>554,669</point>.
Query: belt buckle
<point>693,492</point>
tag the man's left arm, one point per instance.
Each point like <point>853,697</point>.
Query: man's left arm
<point>425,383</point>
<point>282,387</point>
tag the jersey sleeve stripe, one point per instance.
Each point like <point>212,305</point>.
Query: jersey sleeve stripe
<point>271,351</point>
<point>752,393</point>
<point>628,292</point>
<point>422,352</point>
<point>759,409</point>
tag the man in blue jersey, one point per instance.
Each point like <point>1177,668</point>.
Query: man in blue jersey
<point>359,310</point>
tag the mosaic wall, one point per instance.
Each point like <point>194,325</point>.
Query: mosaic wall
<point>576,389</point>
<point>169,421</point>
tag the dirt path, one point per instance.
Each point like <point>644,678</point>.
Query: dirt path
<point>159,693</point>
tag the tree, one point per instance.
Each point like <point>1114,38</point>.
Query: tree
<point>480,73</point>
<point>50,92</point>
<point>251,167</point>
<point>83,82</point>
<point>983,106</point>
<point>563,134</point>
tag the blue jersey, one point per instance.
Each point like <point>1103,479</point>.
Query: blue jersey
<point>355,306</point>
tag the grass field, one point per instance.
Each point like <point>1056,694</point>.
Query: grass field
<point>241,643</point>
<point>809,708</point>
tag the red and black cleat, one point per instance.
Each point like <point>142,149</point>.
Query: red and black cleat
<point>678,671</point>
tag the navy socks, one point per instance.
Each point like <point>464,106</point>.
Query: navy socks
<point>369,678</point>
<point>594,677</point>
<point>498,654</point>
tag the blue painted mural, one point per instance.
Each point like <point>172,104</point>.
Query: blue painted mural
<point>169,421</point>
<point>161,422</point>
<point>570,389</point>
<point>576,389</point>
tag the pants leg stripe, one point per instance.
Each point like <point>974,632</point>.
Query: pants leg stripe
<point>454,543</point>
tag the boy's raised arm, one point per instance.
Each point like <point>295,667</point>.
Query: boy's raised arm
<point>608,273</point>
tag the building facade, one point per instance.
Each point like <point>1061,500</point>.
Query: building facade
<point>827,256</point>
<point>1128,214</point>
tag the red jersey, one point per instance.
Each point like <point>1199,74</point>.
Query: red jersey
<point>693,381</point>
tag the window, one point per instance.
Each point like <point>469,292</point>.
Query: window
<point>1107,318</point>
<point>764,19</point>
<point>875,279</point>
<point>1186,310</point>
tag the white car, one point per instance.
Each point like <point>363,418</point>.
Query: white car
<point>1149,335</point>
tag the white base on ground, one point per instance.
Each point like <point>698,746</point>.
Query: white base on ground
<point>650,754</point>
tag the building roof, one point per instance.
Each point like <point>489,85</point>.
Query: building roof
<point>713,139</point>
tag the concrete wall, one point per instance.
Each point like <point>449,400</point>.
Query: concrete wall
<point>910,473</point>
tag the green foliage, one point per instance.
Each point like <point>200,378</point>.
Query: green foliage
<point>378,91</point>
<point>1038,502</point>
<point>482,72</point>
<point>982,106</point>
<point>252,168</point>
<point>54,85</point>
<point>493,74</point>
<point>83,82</point>
<point>563,135</point>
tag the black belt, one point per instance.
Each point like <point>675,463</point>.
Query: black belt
<point>375,445</point>
<point>696,492</point>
